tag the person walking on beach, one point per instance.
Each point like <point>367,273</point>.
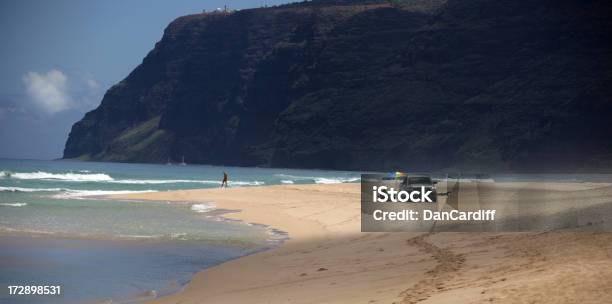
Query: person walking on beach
<point>224,182</point>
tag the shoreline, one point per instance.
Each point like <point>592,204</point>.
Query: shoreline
<point>274,239</point>
<point>215,214</point>
<point>136,259</point>
<point>328,259</point>
<point>275,222</point>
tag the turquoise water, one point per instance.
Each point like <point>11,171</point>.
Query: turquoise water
<point>56,229</point>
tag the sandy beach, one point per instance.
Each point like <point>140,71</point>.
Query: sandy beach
<point>328,260</point>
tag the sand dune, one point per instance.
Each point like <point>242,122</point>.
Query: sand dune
<point>328,259</point>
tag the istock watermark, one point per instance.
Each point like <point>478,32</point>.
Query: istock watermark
<point>385,194</point>
<point>421,202</point>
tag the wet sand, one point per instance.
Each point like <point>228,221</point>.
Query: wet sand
<point>328,260</point>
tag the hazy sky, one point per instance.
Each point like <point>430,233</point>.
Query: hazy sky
<point>59,57</point>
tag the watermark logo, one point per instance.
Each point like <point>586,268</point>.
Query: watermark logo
<point>385,194</point>
<point>399,201</point>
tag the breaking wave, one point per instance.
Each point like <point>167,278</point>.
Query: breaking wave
<point>289,179</point>
<point>78,177</point>
<point>177,181</point>
<point>72,193</point>
<point>69,193</point>
<point>20,189</point>
<point>13,204</point>
<point>241,183</point>
<point>338,180</point>
<point>157,181</point>
<point>86,176</point>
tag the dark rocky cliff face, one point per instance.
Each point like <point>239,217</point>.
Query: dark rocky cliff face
<point>418,85</point>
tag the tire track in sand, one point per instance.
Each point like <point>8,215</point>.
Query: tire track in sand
<point>447,266</point>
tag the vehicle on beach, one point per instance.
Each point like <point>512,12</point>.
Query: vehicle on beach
<point>416,182</point>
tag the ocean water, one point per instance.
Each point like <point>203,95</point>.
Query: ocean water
<point>57,229</point>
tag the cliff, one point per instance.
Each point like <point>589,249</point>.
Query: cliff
<point>417,85</point>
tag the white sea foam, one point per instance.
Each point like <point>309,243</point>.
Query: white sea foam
<point>86,176</point>
<point>71,193</point>
<point>139,236</point>
<point>178,235</point>
<point>162,181</point>
<point>13,204</point>
<point>177,181</point>
<point>242,183</point>
<point>158,181</point>
<point>77,177</point>
<point>87,193</point>
<point>202,208</point>
<point>337,180</point>
<point>316,179</point>
<point>294,177</point>
<point>20,189</point>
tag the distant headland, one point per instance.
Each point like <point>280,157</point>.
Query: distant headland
<point>364,85</point>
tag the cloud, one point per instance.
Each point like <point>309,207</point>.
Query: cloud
<point>48,91</point>
<point>91,83</point>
